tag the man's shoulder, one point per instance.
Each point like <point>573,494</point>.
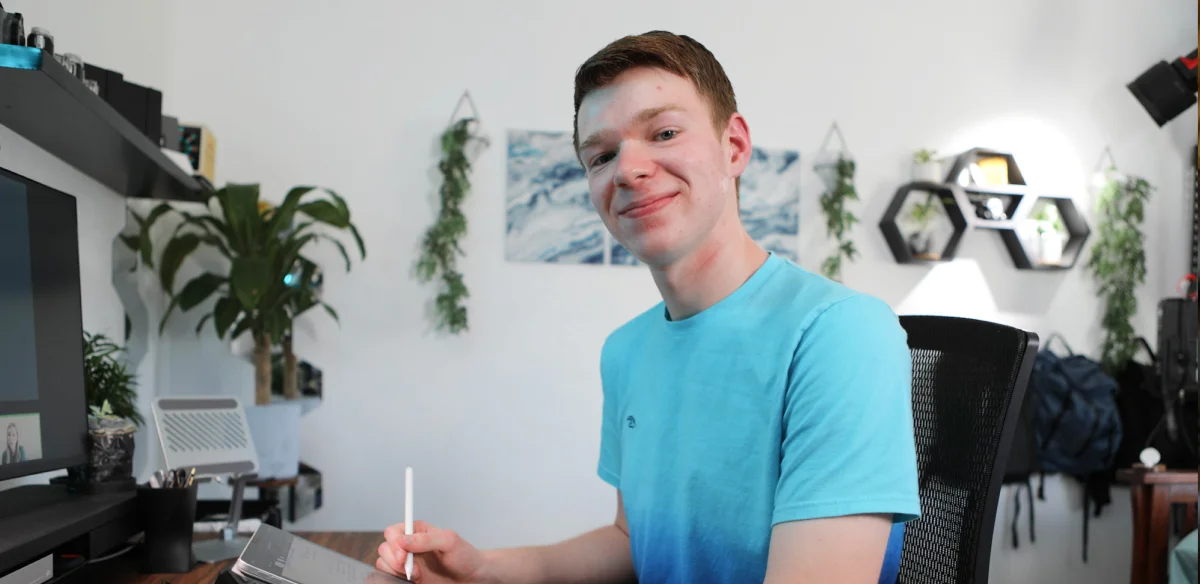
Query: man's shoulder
<point>805,298</point>
<point>634,328</point>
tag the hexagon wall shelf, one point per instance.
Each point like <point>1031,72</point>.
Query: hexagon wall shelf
<point>917,246</point>
<point>985,189</point>
<point>1050,235</point>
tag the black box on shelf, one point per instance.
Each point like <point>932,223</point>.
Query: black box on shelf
<point>104,78</point>
<point>170,134</point>
<point>154,118</point>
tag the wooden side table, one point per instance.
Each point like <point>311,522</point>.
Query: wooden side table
<point>1153,493</point>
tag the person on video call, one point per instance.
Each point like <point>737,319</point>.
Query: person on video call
<point>757,423</point>
<point>13,451</point>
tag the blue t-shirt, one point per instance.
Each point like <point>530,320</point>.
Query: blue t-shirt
<point>789,399</point>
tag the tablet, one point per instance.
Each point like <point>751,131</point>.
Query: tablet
<point>278,557</point>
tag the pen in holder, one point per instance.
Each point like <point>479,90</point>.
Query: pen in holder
<point>168,517</point>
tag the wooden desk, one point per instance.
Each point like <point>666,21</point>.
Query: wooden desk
<point>356,544</point>
<point>1153,493</point>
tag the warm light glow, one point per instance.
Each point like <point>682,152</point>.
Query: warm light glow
<point>1047,158</point>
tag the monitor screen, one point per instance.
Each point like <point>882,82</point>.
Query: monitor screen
<point>43,408</point>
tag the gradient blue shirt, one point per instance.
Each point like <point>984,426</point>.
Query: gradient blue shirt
<point>787,400</point>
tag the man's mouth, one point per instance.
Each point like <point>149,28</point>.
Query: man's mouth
<point>647,206</point>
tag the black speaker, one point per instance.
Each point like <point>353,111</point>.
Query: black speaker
<point>1177,370</point>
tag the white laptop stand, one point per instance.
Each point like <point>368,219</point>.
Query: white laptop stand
<point>210,434</point>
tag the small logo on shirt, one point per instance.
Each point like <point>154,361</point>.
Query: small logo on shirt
<point>631,422</point>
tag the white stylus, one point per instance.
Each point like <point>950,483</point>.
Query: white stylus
<point>408,527</point>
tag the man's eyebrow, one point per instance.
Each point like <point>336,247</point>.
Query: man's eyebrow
<point>641,118</point>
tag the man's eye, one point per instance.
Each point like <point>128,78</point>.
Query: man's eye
<point>667,134</point>
<point>601,159</point>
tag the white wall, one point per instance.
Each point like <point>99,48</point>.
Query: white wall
<point>99,33</point>
<point>502,424</point>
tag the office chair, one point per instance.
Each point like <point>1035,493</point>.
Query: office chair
<point>968,382</point>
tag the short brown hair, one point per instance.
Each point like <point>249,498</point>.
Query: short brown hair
<point>678,54</point>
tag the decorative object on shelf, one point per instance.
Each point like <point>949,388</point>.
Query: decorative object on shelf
<point>836,168</point>
<point>550,217</point>
<point>992,183</point>
<point>926,167</point>
<point>461,142</point>
<point>200,146</point>
<point>924,223</point>
<point>113,418</point>
<point>12,28</point>
<point>1050,236</point>
<point>263,243</point>
<point>40,38</point>
<point>1118,262</point>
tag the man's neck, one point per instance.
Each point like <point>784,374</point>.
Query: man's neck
<point>705,277</point>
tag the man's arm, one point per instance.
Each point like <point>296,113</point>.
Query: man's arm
<point>846,549</point>
<point>600,556</point>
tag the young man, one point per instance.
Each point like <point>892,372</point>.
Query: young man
<point>757,423</point>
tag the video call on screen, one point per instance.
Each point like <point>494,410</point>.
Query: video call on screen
<point>42,407</point>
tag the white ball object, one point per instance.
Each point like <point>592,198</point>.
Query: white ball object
<point>1150,457</point>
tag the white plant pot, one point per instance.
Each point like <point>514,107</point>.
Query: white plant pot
<point>1050,247</point>
<point>927,172</point>
<point>276,432</point>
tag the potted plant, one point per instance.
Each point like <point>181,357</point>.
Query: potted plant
<point>840,191</point>
<point>268,282</point>
<point>920,216</point>
<point>925,167</point>
<point>1051,234</point>
<point>113,417</point>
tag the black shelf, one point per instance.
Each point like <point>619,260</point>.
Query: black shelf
<point>1073,221</point>
<point>42,101</point>
<point>1019,201</point>
<point>900,245</point>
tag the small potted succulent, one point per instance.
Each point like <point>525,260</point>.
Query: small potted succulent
<point>113,419</point>
<point>921,216</point>
<point>925,167</point>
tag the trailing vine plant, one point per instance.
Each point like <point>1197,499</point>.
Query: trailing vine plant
<point>440,246</point>
<point>1118,264</point>
<point>838,218</point>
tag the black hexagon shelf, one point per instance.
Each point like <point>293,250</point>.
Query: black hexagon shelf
<point>921,216</point>
<point>1049,234</point>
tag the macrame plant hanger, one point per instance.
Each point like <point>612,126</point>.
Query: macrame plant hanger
<point>474,122</point>
<point>825,160</point>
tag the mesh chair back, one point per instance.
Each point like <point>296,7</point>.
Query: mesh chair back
<point>969,379</point>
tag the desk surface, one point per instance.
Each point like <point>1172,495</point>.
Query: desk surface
<point>1133,476</point>
<point>121,570</point>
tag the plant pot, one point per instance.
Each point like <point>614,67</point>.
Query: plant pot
<point>927,172</point>
<point>110,462</point>
<point>1050,247</point>
<point>275,429</point>
<point>920,244</point>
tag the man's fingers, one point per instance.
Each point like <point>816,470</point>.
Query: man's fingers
<point>388,556</point>
<point>382,566</point>
<point>394,533</point>
<point>433,540</point>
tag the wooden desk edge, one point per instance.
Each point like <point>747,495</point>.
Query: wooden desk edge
<point>1133,476</point>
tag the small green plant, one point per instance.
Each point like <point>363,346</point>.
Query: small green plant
<point>1049,220</point>
<point>839,219</point>
<point>440,246</point>
<point>1118,264</point>
<point>924,155</point>
<point>109,387</point>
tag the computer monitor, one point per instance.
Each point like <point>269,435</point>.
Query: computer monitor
<point>43,407</point>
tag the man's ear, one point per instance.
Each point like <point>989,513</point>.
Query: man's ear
<point>738,145</point>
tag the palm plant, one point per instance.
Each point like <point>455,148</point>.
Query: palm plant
<point>261,293</point>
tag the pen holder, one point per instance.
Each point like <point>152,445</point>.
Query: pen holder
<point>168,517</point>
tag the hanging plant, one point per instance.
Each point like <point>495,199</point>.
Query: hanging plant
<point>838,218</point>
<point>1118,263</point>
<point>440,247</point>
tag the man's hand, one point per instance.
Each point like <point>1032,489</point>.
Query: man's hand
<point>441,555</point>
<point>846,549</point>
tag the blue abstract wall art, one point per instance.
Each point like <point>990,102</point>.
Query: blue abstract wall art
<point>551,219</point>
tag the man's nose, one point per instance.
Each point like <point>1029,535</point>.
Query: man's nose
<point>634,166</point>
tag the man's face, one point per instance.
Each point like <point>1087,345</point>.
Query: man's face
<point>659,174</point>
